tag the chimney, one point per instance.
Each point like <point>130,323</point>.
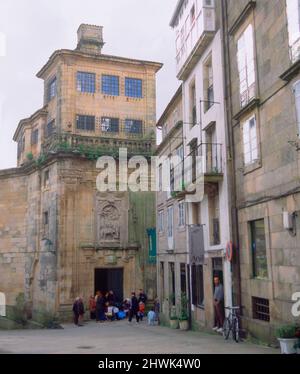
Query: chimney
<point>90,39</point>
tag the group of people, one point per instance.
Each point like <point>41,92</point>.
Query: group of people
<point>104,307</point>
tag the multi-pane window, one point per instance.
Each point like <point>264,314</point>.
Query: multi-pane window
<point>86,82</point>
<point>250,141</point>
<point>170,221</point>
<point>181,214</point>
<point>109,124</point>
<point>52,89</point>
<point>49,129</point>
<point>258,248</point>
<point>261,309</point>
<point>133,126</point>
<point>34,136</point>
<point>293,16</point>
<point>133,87</point>
<point>110,85</point>
<point>85,123</point>
<point>297,103</point>
<point>161,221</point>
<point>197,285</point>
<point>246,65</point>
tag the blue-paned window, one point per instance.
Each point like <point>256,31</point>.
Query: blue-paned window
<point>133,126</point>
<point>85,123</point>
<point>133,87</point>
<point>110,85</point>
<point>86,82</point>
<point>52,89</point>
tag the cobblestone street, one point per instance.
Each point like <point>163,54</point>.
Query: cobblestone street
<point>120,337</point>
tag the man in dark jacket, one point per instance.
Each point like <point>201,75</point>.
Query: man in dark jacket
<point>134,308</point>
<point>142,297</point>
<point>76,311</point>
<point>100,307</point>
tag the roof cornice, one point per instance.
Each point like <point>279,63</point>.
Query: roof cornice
<point>41,112</point>
<point>100,57</point>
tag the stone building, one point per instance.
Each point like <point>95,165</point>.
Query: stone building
<point>59,236</point>
<point>262,62</point>
<point>199,61</point>
<point>171,215</point>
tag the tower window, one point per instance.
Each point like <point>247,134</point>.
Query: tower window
<point>133,87</point>
<point>110,85</point>
<point>86,82</point>
<point>85,123</point>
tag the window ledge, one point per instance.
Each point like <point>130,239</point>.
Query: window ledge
<point>253,103</point>
<point>290,73</point>
<point>252,167</point>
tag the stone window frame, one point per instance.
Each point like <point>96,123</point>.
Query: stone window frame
<point>237,32</point>
<point>181,214</point>
<point>248,168</point>
<point>160,221</point>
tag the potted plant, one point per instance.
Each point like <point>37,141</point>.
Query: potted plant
<point>174,322</point>
<point>288,337</point>
<point>184,318</point>
<point>173,315</point>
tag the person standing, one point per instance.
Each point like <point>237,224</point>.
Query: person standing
<point>111,298</point>
<point>92,307</point>
<point>76,311</point>
<point>218,305</point>
<point>157,309</point>
<point>80,311</point>
<point>100,308</point>
<point>142,297</point>
<point>134,308</point>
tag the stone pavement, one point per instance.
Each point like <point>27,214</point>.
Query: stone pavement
<point>121,337</point>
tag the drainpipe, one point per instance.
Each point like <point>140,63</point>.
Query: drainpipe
<point>230,142</point>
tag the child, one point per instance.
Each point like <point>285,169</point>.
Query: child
<point>141,310</point>
<point>151,317</point>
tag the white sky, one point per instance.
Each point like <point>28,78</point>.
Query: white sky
<point>33,29</point>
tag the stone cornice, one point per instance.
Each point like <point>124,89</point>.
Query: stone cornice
<point>100,57</point>
<point>291,72</point>
<point>25,121</point>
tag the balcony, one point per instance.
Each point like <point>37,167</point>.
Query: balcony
<point>96,146</point>
<point>205,161</point>
<point>194,43</point>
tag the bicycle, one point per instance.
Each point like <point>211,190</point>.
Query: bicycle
<point>232,324</point>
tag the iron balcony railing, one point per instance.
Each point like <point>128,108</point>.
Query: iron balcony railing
<point>205,160</point>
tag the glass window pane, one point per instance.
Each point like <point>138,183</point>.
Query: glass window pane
<point>86,82</point>
<point>133,87</point>
<point>110,85</point>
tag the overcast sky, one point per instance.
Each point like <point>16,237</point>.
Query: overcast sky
<point>33,29</point>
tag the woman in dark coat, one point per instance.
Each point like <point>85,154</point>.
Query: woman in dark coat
<point>100,308</point>
<point>134,308</point>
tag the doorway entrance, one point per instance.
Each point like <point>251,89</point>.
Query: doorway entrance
<point>110,279</point>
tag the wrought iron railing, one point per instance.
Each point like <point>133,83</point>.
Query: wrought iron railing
<point>205,160</point>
